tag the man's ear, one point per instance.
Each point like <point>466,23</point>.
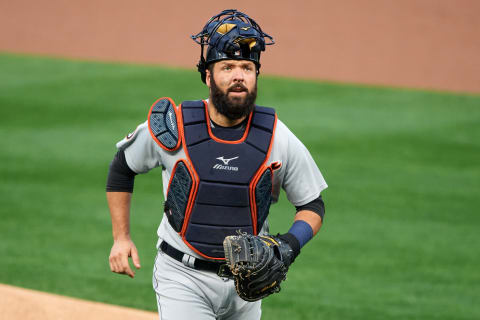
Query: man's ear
<point>208,76</point>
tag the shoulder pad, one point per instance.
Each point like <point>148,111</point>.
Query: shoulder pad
<point>265,109</point>
<point>163,125</point>
<point>193,104</point>
<point>264,118</point>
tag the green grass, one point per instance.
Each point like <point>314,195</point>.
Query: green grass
<point>400,239</point>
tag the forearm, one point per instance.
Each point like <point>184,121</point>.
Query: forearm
<point>120,182</point>
<point>119,205</point>
<point>312,213</point>
<point>123,247</point>
<point>307,223</point>
<point>310,217</point>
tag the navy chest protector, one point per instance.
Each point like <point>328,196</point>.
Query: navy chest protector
<point>222,187</point>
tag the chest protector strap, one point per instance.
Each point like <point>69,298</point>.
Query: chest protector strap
<point>223,186</point>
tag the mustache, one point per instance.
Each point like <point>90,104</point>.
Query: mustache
<point>237,87</point>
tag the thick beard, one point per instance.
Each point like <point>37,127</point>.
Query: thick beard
<point>232,108</point>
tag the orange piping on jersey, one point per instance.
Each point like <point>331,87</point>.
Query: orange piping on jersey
<point>253,203</point>
<point>276,165</point>
<point>245,133</point>
<point>178,129</point>
<point>257,176</point>
<point>179,124</point>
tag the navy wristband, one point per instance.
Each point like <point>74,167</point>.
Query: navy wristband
<point>302,231</point>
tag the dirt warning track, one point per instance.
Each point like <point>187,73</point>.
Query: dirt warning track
<point>17,303</point>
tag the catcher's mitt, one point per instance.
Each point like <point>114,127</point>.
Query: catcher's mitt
<point>258,263</point>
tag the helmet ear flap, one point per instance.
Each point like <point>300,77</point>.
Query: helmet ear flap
<point>202,68</point>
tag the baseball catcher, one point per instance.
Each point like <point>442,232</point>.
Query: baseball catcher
<point>224,160</point>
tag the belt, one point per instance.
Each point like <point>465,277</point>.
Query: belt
<point>221,269</point>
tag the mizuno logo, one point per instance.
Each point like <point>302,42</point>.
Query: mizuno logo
<point>171,119</point>
<point>245,28</point>
<point>218,166</point>
<point>226,161</point>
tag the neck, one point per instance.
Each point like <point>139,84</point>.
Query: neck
<point>219,118</point>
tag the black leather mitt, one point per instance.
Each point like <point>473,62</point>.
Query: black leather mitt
<point>258,263</point>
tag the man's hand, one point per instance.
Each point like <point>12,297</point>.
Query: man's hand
<point>121,250</point>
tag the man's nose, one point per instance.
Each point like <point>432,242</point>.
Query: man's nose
<point>238,75</point>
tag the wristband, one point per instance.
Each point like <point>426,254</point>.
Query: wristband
<point>302,231</point>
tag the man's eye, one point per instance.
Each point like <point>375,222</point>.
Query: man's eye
<point>227,68</point>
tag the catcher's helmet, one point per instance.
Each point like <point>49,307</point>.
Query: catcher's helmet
<point>230,34</point>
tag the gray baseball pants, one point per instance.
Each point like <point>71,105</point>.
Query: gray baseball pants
<point>184,293</point>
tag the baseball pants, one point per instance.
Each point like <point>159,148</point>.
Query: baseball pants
<point>184,293</point>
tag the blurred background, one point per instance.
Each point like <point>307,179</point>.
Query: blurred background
<point>385,95</point>
<point>413,43</point>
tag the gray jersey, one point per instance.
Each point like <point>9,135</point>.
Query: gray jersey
<point>298,175</point>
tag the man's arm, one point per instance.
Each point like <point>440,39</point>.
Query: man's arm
<point>307,222</point>
<point>123,246</point>
<point>312,213</point>
<point>310,217</point>
<point>120,183</point>
<point>306,225</point>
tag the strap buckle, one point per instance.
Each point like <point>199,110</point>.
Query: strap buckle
<point>188,261</point>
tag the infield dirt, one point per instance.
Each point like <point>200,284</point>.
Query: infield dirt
<point>18,303</point>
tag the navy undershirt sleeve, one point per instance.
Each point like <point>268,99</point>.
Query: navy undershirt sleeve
<point>120,177</point>
<point>317,206</point>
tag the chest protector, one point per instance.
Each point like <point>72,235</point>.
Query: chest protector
<point>222,187</point>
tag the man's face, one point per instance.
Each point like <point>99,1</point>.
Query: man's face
<point>233,87</point>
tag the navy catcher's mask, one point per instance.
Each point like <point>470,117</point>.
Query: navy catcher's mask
<point>230,34</point>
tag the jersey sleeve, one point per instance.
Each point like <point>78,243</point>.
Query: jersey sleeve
<point>302,181</point>
<point>141,152</point>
